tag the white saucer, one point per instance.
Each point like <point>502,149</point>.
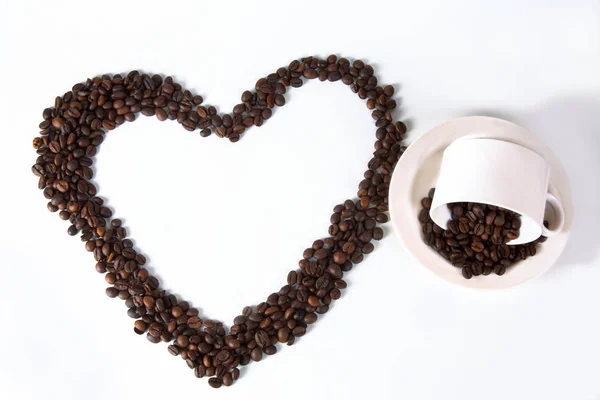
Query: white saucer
<point>417,172</point>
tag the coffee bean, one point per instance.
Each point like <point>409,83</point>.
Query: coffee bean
<point>189,125</point>
<point>320,254</point>
<point>479,230</point>
<point>227,379</point>
<point>173,350</point>
<point>200,371</point>
<point>215,382</point>
<point>467,273</point>
<point>161,114</point>
<point>512,234</point>
<point>262,338</point>
<point>499,220</point>
<point>152,339</point>
<point>310,318</point>
<point>516,224</point>
<point>377,233</point>
<point>458,210</point>
<point>177,311</point>
<point>310,73</point>
<point>471,216</point>
<point>477,268</point>
<point>453,227</point>
<point>478,211</point>
<point>426,203</point>
<point>339,257</point>
<point>256,354</point>
<point>73,131</point>
<point>283,334</point>
<point>477,247</point>
<point>314,301</point>
<point>382,218</point>
<point>499,269</point>
<point>149,302</point>
<point>475,240</point>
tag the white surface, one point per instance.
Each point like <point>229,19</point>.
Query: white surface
<point>534,62</point>
<point>481,170</point>
<point>418,171</point>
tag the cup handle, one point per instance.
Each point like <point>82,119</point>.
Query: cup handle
<point>560,214</point>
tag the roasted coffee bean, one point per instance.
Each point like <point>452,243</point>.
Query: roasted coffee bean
<point>487,270</point>
<point>478,211</point>
<point>262,338</point>
<point>467,273</point>
<point>477,247</point>
<point>140,327</point>
<point>471,216</point>
<point>152,338</point>
<point>453,227</point>
<point>477,268</point>
<point>314,301</point>
<point>215,382</point>
<point>458,210</point>
<point>426,203</point>
<point>200,371</point>
<point>149,302</point>
<point>161,114</point>
<point>174,351</point>
<point>479,230</point>
<point>499,220</point>
<point>227,379</point>
<point>256,354</point>
<point>512,234</point>
<point>283,334</point>
<point>476,237</point>
<point>516,223</point>
<point>499,269</point>
<point>74,130</point>
<point>490,217</point>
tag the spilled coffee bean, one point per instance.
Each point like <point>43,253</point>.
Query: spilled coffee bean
<point>70,136</point>
<point>476,238</point>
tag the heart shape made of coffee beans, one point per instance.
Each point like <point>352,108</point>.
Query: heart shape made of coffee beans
<point>74,128</point>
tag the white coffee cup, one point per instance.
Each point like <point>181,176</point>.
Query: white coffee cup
<point>498,173</point>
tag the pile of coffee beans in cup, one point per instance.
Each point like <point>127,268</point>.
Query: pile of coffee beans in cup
<point>476,238</point>
<point>70,135</point>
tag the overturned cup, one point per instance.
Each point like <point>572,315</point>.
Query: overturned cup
<point>502,174</point>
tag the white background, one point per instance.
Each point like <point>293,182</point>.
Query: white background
<point>223,223</point>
